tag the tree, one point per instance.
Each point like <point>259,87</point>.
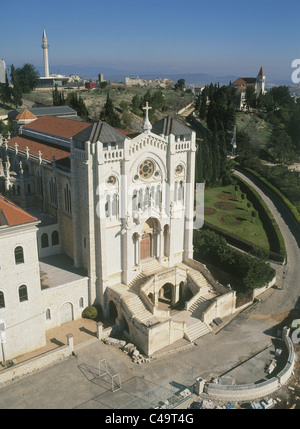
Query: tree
<point>77,103</point>
<point>254,215</point>
<point>58,98</point>
<point>109,115</point>
<point>281,145</point>
<point>180,85</point>
<point>5,91</point>
<point>203,104</point>
<point>28,78</point>
<point>16,90</point>
<point>250,97</point>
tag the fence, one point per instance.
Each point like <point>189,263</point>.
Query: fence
<point>166,396</point>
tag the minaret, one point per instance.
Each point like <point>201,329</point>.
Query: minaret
<point>45,52</point>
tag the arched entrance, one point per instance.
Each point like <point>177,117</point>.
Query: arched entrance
<point>66,313</point>
<point>113,312</point>
<point>149,239</point>
<point>166,294</point>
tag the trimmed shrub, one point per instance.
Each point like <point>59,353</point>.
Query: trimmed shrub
<point>90,312</point>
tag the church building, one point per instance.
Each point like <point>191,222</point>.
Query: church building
<point>242,83</point>
<point>109,219</point>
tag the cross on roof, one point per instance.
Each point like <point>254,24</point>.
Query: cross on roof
<point>147,108</point>
<point>147,125</point>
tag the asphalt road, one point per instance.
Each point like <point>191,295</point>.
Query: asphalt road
<point>74,383</point>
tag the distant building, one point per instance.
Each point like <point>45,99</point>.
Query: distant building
<point>242,83</point>
<point>157,83</point>
<point>90,85</point>
<point>134,81</point>
<point>2,71</point>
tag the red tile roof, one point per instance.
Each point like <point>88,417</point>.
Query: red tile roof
<point>48,151</point>
<point>12,215</point>
<point>56,126</point>
<point>245,81</point>
<point>26,114</point>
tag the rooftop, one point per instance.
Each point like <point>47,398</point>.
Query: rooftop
<point>47,150</point>
<point>169,125</point>
<point>56,126</point>
<point>12,215</point>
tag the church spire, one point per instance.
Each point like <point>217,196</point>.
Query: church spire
<point>147,127</point>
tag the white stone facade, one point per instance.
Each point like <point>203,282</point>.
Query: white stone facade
<point>107,204</point>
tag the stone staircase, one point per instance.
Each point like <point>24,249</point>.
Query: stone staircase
<point>137,282</point>
<point>199,306</point>
<point>137,308</point>
<point>199,278</point>
<point>195,329</point>
<point>150,266</point>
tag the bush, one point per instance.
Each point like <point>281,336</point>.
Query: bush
<point>90,312</point>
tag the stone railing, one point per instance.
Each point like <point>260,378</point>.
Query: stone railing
<point>113,155</point>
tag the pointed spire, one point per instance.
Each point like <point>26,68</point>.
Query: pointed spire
<point>261,72</point>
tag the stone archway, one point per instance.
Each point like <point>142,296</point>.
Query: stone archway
<point>149,246</point>
<point>113,312</point>
<point>166,295</point>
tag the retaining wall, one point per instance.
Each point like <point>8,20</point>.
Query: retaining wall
<point>34,364</point>
<point>249,392</point>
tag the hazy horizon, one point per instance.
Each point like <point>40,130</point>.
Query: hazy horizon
<point>164,38</point>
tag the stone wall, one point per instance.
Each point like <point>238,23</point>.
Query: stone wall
<point>54,298</point>
<point>25,368</point>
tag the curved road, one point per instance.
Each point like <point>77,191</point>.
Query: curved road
<point>69,385</point>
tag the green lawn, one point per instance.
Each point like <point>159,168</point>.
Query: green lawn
<point>224,208</point>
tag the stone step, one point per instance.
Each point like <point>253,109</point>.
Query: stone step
<point>138,309</point>
<point>196,330</point>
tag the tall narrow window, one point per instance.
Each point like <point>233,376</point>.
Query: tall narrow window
<point>53,190</point>
<point>19,255</point>
<point>2,301</point>
<point>44,240</point>
<point>68,202</point>
<point>23,296</point>
<point>48,314</point>
<point>55,238</point>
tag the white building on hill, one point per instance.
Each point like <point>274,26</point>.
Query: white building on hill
<point>110,223</point>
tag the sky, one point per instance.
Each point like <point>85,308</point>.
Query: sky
<point>188,36</point>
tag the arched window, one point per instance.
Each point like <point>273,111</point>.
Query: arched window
<point>67,201</point>
<point>44,240</point>
<point>39,183</point>
<point>81,302</point>
<point>48,314</point>
<point>19,255</point>
<point>23,295</point>
<point>53,190</point>
<point>2,301</point>
<point>55,238</point>
<point>114,205</point>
